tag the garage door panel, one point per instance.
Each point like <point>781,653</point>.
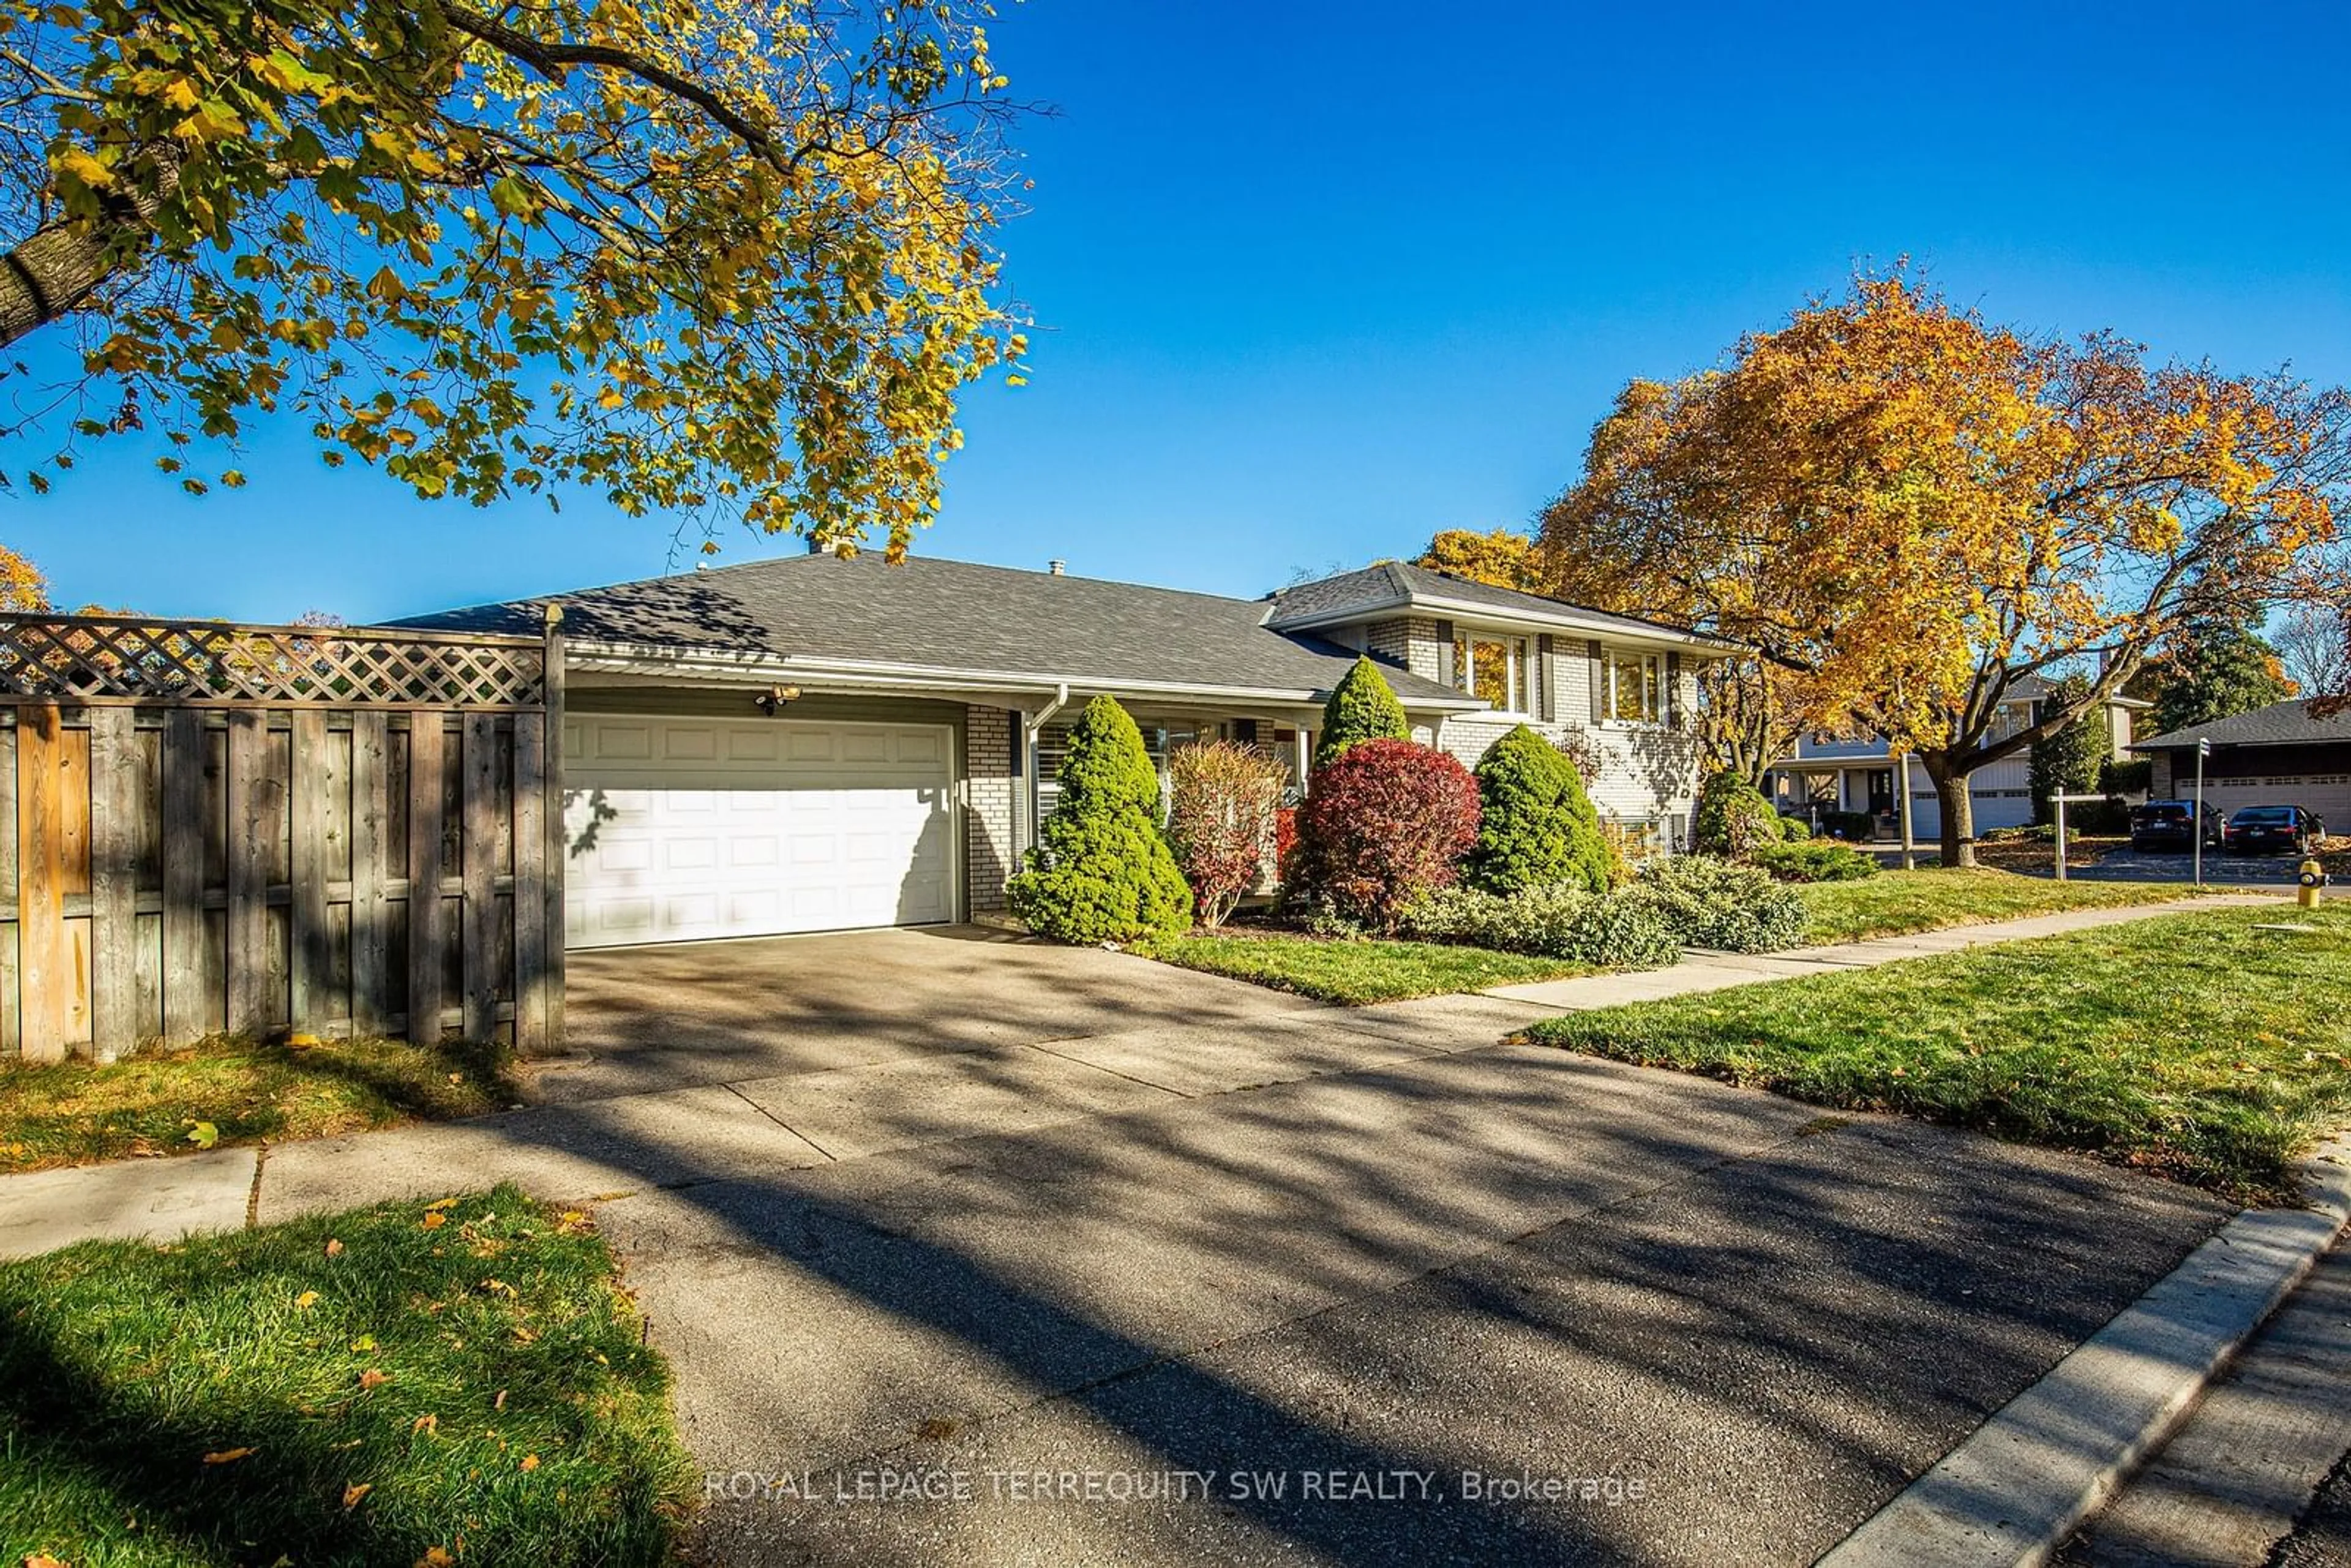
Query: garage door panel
<point>697,827</point>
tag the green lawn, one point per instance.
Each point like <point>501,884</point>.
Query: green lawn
<point>1894,903</point>
<point>369,1388</point>
<point>1357,972</point>
<point>233,1090</point>
<point>2193,1045</point>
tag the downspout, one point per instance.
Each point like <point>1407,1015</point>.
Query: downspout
<point>1031,729</point>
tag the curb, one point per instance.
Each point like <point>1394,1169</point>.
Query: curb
<point>2019,1486</point>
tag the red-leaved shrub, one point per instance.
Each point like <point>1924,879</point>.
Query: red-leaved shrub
<point>1221,800</point>
<point>1383,824</point>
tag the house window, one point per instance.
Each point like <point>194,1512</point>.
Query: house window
<point>1494,668</point>
<point>1636,688</point>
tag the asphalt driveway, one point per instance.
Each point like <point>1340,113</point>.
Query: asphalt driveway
<point>1291,1287</point>
<point>643,1018</point>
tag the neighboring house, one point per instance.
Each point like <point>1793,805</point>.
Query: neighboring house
<point>814,743</point>
<point>1833,772</point>
<point>2276,756</point>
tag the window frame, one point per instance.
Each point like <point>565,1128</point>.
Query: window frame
<point>1518,677</point>
<point>1656,705</point>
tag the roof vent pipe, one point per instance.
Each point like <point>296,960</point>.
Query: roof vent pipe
<point>1057,567</point>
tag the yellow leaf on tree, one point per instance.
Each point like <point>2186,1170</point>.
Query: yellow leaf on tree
<point>86,168</point>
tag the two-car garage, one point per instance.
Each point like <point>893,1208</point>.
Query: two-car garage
<point>682,828</point>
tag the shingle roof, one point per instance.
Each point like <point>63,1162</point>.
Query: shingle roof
<point>1394,582</point>
<point>950,615</point>
<point>2280,724</point>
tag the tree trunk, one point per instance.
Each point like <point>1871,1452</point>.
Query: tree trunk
<point>60,264</point>
<point>1957,811</point>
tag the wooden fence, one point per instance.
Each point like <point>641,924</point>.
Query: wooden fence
<point>264,830</point>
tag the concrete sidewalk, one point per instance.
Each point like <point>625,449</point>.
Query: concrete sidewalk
<point>1705,971</point>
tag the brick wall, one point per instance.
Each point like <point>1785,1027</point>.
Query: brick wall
<point>1408,642</point>
<point>990,793</point>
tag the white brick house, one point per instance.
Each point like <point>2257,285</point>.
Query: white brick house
<point>810,743</point>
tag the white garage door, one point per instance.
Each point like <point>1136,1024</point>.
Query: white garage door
<point>687,828</point>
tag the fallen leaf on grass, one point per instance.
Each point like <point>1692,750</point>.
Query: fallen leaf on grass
<point>303,1042</point>
<point>354,1492</point>
<point>334,1248</point>
<point>434,1221</point>
<point>438,1204</point>
<point>365,1342</point>
<point>371,1378</point>
<point>500,1401</point>
<point>426,1424</point>
<point>307,1299</point>
<point>42,1559</point>
<point>227,1455</point>
<point>204,1135</point>
<point>530,1461</point>
<point>435,1558</point>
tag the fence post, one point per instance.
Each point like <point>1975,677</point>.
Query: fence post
<point>424,921</point>
<point>477,990</point>
<point>558,843</point>
<point>371,808</point>
<point>40,887</point>
<point>188,1003</point>
<point>114,811</point>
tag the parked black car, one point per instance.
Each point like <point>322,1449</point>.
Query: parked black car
<point>2170,825</point>
<point>2268,830</point>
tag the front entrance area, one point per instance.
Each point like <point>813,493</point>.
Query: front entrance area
<point>688,828</point>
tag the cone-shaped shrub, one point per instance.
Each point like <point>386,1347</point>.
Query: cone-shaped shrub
<point>1733,818</point>
<point>1101,871</point>
<point>1538,828</point>
<point>1362,706</point>
<point>1383,825</point>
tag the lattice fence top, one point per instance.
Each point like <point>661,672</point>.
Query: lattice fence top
<point>113,659</point>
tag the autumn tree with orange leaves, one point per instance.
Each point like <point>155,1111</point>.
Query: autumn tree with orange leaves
<point>1918,509</point>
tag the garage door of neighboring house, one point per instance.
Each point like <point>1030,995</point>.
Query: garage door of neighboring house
<point>687,828</point>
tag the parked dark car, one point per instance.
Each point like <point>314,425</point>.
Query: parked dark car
<point>2271,829</point>
<point>2170,825</point>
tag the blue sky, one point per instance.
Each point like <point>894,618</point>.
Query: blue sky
<point>1315,280</point>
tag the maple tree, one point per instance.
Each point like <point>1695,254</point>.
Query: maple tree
<point>711,257</point>
<point>1917,509</point>
<point>1504,559</point>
